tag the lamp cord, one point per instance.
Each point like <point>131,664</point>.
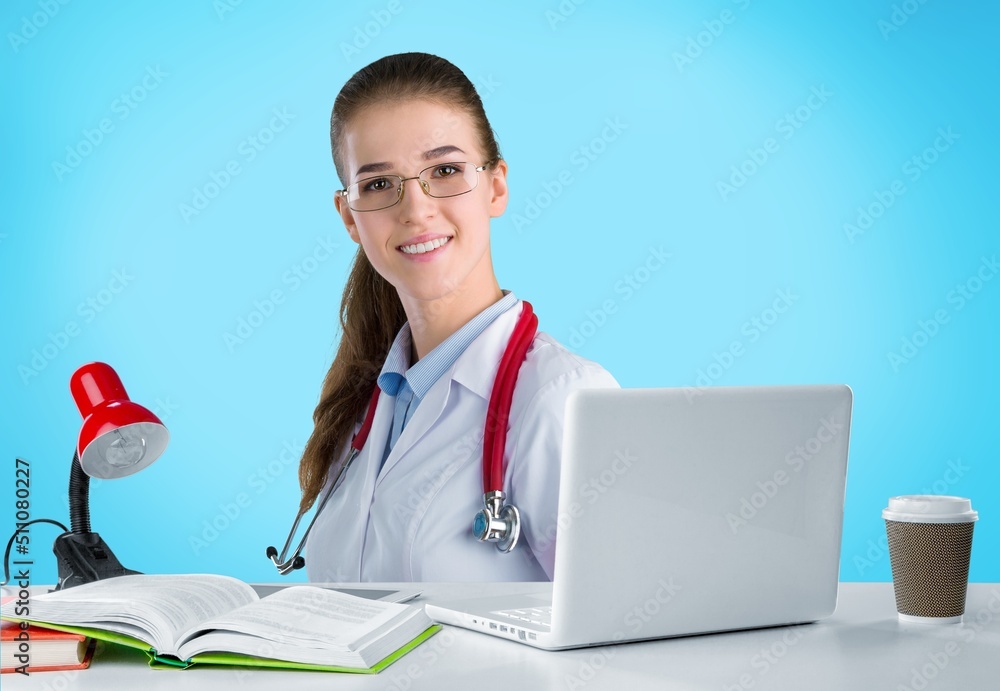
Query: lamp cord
<point>79,497</point>
<point>79,512</point>
<point>10,543</point>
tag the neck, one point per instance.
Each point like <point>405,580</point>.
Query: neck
<point>433,321</point>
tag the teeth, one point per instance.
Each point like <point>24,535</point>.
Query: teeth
<point>422,247</point>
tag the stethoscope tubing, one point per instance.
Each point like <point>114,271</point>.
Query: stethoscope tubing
<point>494,437</point>
<point>498,412</point>
<point>287,565</point>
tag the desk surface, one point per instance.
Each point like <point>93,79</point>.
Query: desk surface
<point>862,646</point>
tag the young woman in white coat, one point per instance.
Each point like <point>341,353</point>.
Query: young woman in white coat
<point>424,319</point>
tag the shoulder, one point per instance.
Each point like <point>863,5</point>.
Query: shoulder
<point>550,372</point>
<point>551,363</point>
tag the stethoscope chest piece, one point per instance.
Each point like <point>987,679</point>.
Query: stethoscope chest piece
<point>498,522</point>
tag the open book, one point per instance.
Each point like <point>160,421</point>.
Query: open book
<point>182,620</point>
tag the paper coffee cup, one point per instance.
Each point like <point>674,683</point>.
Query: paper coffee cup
<point>930,542</point>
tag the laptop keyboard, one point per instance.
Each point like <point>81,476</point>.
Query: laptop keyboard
<point>540,616</point>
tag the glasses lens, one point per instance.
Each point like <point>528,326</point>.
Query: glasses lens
<point>450,179</point>
<point>372,194</point>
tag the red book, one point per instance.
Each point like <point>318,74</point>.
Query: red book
<point>47,650</point>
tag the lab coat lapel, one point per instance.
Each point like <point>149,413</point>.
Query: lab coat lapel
<point>344,521</point>
<point>475,369</point>
<point>370,457</point>
<point>424,417</point>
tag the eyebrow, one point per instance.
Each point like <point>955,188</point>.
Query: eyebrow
<point>383,166</point>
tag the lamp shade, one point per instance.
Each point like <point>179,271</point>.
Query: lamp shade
<point>118,437</point>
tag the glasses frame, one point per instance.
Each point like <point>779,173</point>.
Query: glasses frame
<point>424,184</point>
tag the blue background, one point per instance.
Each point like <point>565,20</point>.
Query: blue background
<point>621,123</point>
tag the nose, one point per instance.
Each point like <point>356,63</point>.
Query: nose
<point>416,203</point>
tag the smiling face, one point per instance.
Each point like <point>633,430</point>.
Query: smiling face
<point>427,248</point>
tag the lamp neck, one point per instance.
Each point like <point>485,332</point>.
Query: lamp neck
<point>82,555</point>
<point>79,498</point>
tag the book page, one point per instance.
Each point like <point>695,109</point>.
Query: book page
<point>163,605</point>
<point>308,615</point>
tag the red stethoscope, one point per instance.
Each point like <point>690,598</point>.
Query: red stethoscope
<point>498,522</point>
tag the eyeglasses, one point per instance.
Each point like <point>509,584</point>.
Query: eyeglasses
<point>440,180</point>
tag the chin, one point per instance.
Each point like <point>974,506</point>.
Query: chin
<point>436,290</point>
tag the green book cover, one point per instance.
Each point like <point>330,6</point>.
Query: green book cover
<point>166,662</point>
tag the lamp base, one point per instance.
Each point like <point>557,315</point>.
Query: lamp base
<point>85,557</point>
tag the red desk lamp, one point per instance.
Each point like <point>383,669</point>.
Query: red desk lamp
<point>118,438</point>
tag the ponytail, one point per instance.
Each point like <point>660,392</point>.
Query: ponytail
<point>370,317</point>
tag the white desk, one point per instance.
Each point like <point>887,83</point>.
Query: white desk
<point>861,647</point>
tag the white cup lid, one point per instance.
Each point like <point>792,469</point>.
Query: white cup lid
<point>930,508</point>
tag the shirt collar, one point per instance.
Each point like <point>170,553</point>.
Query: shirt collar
<point>422,375</point>
<point>396,362</point>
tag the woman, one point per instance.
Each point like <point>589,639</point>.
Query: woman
<point>425,319</point>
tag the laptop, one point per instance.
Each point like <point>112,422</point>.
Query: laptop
<point>686,511</point>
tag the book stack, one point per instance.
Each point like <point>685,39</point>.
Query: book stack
<point>27,649</point>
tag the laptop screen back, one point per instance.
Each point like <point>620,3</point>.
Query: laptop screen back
<point>697,510</point>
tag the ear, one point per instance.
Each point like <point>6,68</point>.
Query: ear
<point>346,215</point>
<point>498,189</point>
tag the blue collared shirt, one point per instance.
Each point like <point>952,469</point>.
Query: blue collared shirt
<point>408,384</point>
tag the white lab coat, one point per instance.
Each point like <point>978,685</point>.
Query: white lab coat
<point>412,520</point>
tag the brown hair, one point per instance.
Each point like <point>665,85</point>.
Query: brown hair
<point>370,311</point>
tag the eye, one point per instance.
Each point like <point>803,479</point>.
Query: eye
<point>446,170</point>
<point>376,185</point>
